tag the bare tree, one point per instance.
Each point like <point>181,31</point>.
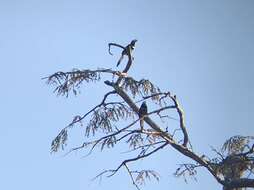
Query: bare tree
<point>232,165</point>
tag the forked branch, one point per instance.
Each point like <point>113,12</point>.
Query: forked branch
<point>240,152</point>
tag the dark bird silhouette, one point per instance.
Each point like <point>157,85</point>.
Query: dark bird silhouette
<point>130,47</point>
<point>142,112</point>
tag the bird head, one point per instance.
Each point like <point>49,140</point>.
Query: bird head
<point>133,42</point>
<point>144,103</point>
<point>143,109</point>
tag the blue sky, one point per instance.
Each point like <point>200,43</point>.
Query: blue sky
<point>202,51</point>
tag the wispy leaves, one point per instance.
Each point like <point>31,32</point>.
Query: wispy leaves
<point>236,144</point>
<point>103,118</point>
<point>59,141</point>
<point>67,82</point>
<point>135,140</point>
<point>143,87</point>
<point>143,175</point>
<point>108,142</point>
<point>187,170</point>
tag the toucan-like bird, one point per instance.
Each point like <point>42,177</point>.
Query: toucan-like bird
<point>141,113</point>
<point>129,47</point>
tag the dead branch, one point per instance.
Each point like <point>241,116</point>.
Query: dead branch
<point>114,44</point>
<point>114,171</point>
<point>130,174</point>
<point>238,158</point>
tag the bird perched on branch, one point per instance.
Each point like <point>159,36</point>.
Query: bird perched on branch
<point>142,112</point>
<point>127,50</point>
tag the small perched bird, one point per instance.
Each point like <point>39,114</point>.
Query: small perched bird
<point>129,47</point>
<point>141,113</point>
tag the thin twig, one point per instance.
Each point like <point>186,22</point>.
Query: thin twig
<point>138,158</point>
<point>129,172</point>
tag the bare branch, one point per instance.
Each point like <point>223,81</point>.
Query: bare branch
<point>138,158</point>
<point>133,181</point>
<point>145,146</point>
<point>116,45</point>
<point>218,153</point>
<point>187,169</point>
<point>161,109</point>
<point>181,116</point>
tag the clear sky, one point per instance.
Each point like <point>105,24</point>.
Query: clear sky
<point>202,51</point>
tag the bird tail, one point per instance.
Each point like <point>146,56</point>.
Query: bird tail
<point>141,124</point>
<point>119,61</point>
